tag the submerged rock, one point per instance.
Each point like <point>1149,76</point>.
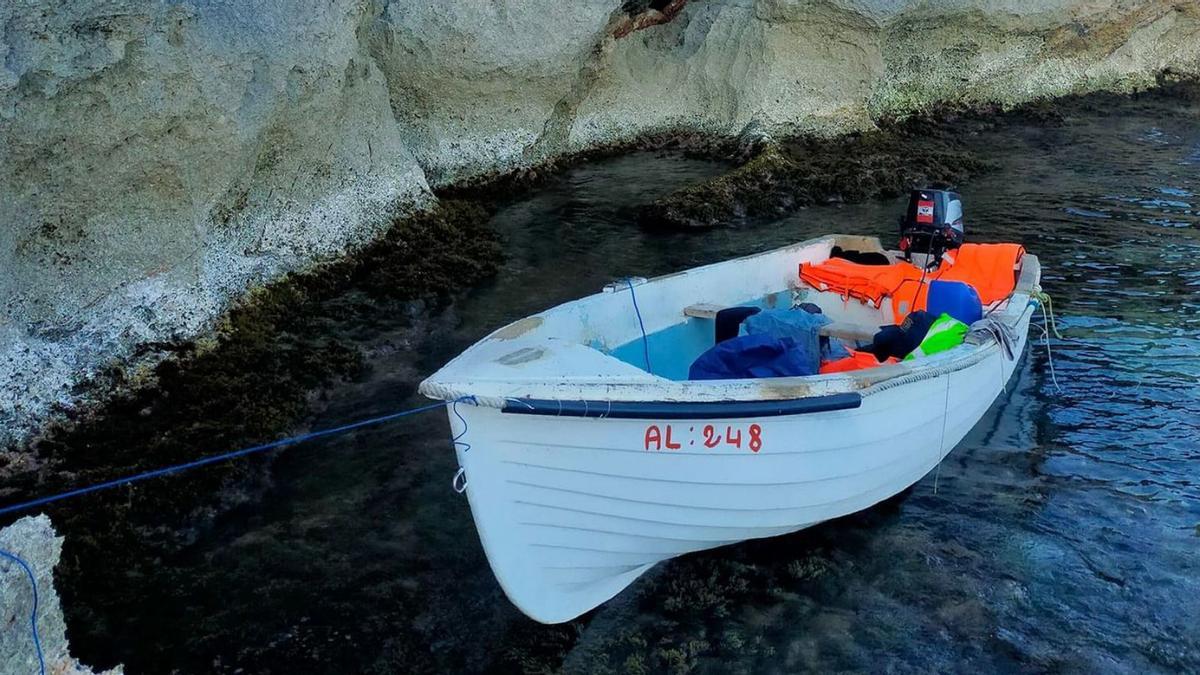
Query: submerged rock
<point>809,170</point>
<point>768,182</point>
<point>33,540</point>
<point>160,159</point>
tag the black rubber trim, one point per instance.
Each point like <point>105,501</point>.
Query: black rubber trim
<point>666,410</point>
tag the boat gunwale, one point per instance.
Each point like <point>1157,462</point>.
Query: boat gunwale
<point>684,410</point>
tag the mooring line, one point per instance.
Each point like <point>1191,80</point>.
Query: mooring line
<point>177,468</point>
<point>117,482</point>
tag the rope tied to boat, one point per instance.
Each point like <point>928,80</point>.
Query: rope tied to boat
<point>1049,326</point>
<point>641,325</point>
<point>205,461</point>
<point>459,482</point>
<point>942,443</point>
<point>236,454</point>
<point>991,328</point>
<point>1047,305</point>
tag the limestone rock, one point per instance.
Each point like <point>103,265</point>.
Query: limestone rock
<point>33,540</point>
<point>158,159</point>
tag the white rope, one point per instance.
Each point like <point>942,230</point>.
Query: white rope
<point>941,444</point>
<point>1003,382</point>
<point>1048,303</point>
<point>1047,326</point>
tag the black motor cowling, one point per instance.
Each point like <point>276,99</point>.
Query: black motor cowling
<point>932,225</point>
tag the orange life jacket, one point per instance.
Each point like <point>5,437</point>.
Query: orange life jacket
<point>856,361</point>
<point>869,283</point>
<point>989,268</point>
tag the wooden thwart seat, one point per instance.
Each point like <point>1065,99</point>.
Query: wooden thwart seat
<point>702,310</point>
<point>850,332</point>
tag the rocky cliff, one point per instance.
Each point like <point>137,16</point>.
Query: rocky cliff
<point>157,159</point>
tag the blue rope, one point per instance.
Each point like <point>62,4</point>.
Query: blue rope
<point>37,641</point>
<point>222,457</point>
<point>645,342</point>
<point>457,440</point>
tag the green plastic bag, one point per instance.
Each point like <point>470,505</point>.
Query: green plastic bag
<point>945,333</point>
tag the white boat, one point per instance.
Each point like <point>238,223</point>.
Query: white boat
<point>583,469</point>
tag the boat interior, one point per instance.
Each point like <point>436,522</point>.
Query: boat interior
<point>671,350</point>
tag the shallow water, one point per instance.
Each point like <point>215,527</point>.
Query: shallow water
<point>1062,533</point>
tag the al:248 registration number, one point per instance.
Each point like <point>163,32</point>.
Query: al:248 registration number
<point>674,437</point>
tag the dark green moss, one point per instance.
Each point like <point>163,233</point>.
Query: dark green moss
<point>701,612</point>
<point>505,186</point>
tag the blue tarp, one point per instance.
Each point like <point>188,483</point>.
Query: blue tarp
<point>799,325</point>
<point>776,343</point>
<point>750,356</point>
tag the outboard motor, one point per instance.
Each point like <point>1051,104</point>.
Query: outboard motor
<point>933,224</point>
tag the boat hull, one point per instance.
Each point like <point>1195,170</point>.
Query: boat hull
<point>572,508</point>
